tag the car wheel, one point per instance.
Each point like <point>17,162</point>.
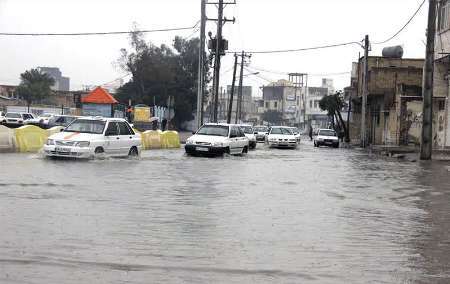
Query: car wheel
<point>133,152</point>
<point>227,150</point>
<point>336,145</point>
<point>99,153</point>
<point>245,150</point>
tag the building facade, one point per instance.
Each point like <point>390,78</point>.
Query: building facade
<point>441,82</point>
<point>315,117</point>
<point>246,105</point>
<point>61,83</point>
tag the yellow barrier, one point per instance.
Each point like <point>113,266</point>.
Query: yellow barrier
<point>30,138</point>
<point>151,139</point>
<point>7,139</point>
<point>170,139</point>
<point>54,129</point>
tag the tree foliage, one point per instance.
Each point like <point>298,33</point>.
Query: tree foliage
<point>34,86</point>
<point>333,104</point>
<point>162,71</point>
<point>272,116</point>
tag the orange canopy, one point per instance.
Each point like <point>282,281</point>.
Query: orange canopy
<point>99,96</point>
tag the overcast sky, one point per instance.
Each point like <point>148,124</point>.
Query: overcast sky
<point>260,25</point>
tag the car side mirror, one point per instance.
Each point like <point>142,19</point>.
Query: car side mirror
<point>193,132</point>
<point>61,130</point>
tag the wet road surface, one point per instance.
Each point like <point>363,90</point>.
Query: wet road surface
<point>273,216</point>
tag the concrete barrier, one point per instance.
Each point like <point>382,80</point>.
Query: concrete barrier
<point>7,139</point>
<point>54,129</point>
<point>151,139</point>
<point>30,138</point>
<point>170,140</point>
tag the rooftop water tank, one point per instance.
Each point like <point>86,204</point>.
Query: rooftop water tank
<point>393,51</point>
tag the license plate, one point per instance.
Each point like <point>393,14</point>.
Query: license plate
<point>201,149</point>
<point>62,150</point>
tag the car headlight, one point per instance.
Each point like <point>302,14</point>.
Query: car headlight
<point>217,144</point>
<point>272,139</point>
<point>320,139</point>
<point>50,142</point>
<point>82,144</point>
<point>189,142</point>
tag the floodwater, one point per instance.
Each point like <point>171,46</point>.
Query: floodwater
<point>273,216</point>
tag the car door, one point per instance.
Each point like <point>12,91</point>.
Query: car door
<point>126,138</point>
<point>234,142</point>
<point>242,139</point>
<point>112,137</point>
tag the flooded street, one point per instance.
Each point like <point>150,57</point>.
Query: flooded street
<point>283,216</point>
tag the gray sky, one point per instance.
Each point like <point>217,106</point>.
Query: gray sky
<point>260,25</point>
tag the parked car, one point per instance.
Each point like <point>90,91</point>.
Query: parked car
<point>261,133</point>
<point>61,120</point>
<point>17,118</point>
<point>250,134</point>
<point>281,137</point>
<point>44,119</point>
<point>297,133</point>
<point>217,139</point>
<point>327,137</point>
<point>89,137</point>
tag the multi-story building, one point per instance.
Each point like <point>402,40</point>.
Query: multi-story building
<point>441,80</point>
<point>61,83</point>
<point>315,117</point>
<point>394,100</point>
<point>283,97</point>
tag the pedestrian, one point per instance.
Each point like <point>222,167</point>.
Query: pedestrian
<point>128,113</point>
<point>310,133</point>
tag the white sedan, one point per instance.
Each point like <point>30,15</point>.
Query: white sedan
<point>90,137</point>
<point>281,137</point>
<point>326,137</point>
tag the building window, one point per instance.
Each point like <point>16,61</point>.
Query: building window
<point>267,104</point>
<point>275,104</point>
<point>444,13</point>
<point>310,104</point>
<point>441,105</point>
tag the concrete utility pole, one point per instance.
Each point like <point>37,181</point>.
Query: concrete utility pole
<point>217,59</point>
<point>201,66</point>
<point>426,145</point>
<point>241,77</point>
<point>230,105</point>
<point>365,92</point>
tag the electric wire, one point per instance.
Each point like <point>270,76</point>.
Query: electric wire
<point>404,26</point>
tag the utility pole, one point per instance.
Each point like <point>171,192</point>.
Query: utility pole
<point>201,66</point>
<point>230,104</point>
<point>365,92</point>
<point>426,145</point>
<point>217,59</point>
<point>239,102</point>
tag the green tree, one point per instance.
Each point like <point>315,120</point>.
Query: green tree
<point>34,86</point>
<point>161,71</point>
<point>333,105</point>
<point>272,116</point>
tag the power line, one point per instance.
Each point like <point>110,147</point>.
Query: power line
<point>100,33</point>
<point>302,49</point>
<point>407,23</point>
<point>309,74</point>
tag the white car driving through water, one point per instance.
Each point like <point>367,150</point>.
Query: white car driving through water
<point>327,137</point>
<point>250,134</point>
<point>217,139</point>
<point>281,137</point>
<point>88,137</point>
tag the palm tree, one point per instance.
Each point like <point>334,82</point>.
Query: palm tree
<point>34,86</point>
<point>333,104</point>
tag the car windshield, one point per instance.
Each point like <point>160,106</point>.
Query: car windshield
<point>13,115</point>
<point>86,126</point>
<point>327,132</point>
<point>281,130</point>
<point>213,130</point>
<point>247,129</point>
<point>261,129</point>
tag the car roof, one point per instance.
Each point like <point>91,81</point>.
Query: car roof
<point>326,129</point>
<point>101,118</point>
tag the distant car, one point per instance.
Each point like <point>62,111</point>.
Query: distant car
<point>17,118</point>
<point>326,137</point>
<point>261,133</point>
<point>281,137</point>
<point>297,133</point>
<point>2,117</point>
<point>61,120</point>
<point>89,137</point>
<point>217,139</point>
<point>250,134</point>
<point>44,119</point>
